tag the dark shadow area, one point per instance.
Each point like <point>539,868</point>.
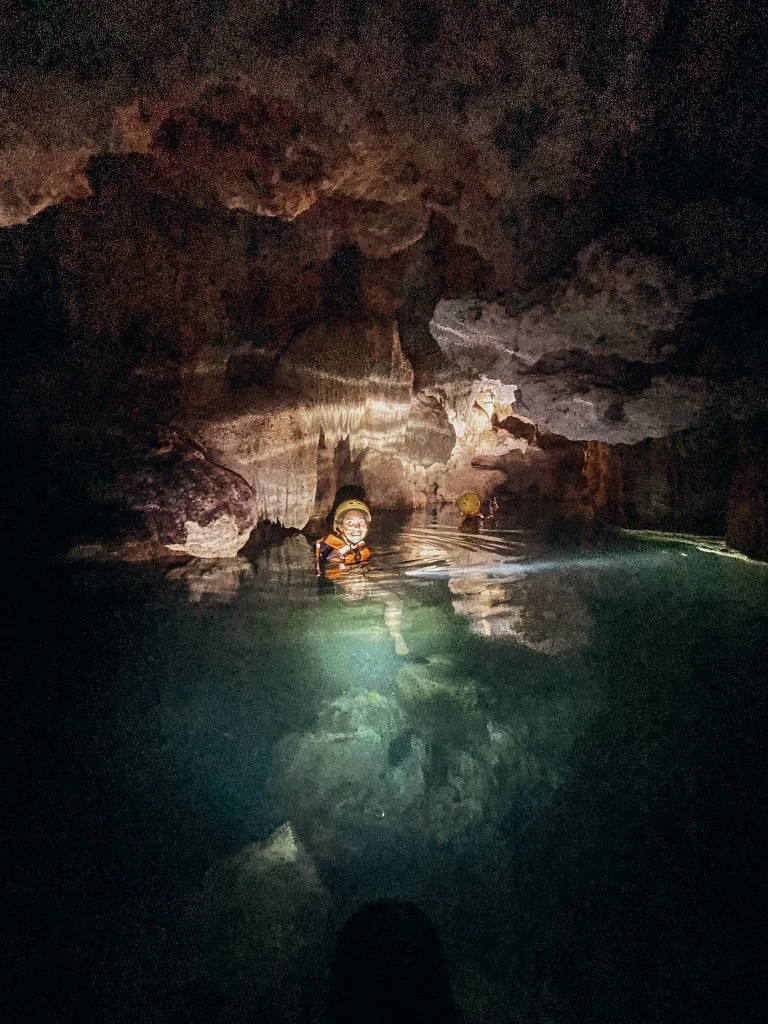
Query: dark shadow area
<point>99,849</point>
<point>389,968</point>
<point>342,292</point>
<point>348,492</point>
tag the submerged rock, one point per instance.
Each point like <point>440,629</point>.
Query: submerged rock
<point>440,707</point>
<point>403,773</point>
<point>263,907</point>
<point>336,781</point>
<point>216,578</point>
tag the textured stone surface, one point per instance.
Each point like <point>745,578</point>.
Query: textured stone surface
<point>350,115</point>
<point>747,515</point>
<point>587,355</point>
<point>192,506</point>
<point>343,380</point>
<point>617,302</point>
<point>261,908</point>
<point>190,196</point>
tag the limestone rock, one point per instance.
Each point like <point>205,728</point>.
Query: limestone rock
<point>47,136</point>
<point>430,437</point>
<point>438,705</point>
<point>585,357</point>
<point>341,380</point>
<point>193,506</point>
<point>203,173</point>
<point>616,303</point>
<point>747,515</point>
<point>679,483</point>
<point>336,778</point>
<point>261,908</point>
<point>574,406</point>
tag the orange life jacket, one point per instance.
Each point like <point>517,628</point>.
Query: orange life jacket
<point>327,552</point>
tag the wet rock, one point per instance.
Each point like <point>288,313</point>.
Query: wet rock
<point>264,907</point>
<point>379,773</point>
<point>430,438</point>
<point>192,506</point>
<point>747,515</point>
<point>439,706</point>
<point>386,480</point>
<point>473,410</point>
<point>337,779</point>
<point>467,757</point>
<point>548,480</point>
<point>466,800</point>
<point>214,578</point>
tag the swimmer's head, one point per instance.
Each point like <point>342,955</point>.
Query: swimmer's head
<point>468,503</point>
<point>352,520</point>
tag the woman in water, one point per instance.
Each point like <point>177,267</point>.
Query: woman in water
<point>345,544</point>
<point>345,547</point>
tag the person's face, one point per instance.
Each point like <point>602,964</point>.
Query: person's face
<point>354,526</point>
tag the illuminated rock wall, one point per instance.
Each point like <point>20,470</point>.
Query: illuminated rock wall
<point>228,232</point>
<point>342,381</point>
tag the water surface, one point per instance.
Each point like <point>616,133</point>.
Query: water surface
<point>551,746</point>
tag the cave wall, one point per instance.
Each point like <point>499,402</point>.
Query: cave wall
<point>679,483</point>
<point>747,510</point>
<point>251,253</point>
<point>230,370</point>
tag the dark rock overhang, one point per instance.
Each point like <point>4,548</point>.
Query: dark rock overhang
<point>568,196</point>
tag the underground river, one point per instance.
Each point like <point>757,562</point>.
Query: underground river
<point>551,745</point>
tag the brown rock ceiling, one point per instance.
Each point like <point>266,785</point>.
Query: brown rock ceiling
<point>388,239</point>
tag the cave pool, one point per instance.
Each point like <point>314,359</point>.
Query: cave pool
<point>552,745</point>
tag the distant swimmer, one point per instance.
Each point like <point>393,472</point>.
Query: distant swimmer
<point>470,507</point>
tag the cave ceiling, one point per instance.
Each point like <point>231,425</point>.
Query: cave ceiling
<point>565,199</point>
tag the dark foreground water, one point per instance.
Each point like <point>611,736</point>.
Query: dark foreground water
<point>554,749</point>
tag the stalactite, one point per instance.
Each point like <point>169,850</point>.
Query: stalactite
<point>603,490</point>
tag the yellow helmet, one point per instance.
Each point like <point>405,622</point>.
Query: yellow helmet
<point>352,505</point>
<point>468,503</point>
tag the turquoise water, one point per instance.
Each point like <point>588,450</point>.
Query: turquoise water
<point>553,746</point>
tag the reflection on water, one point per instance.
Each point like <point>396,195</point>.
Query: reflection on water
<point>519,738</point>
<point>419,757</point>
<point>216,578</point>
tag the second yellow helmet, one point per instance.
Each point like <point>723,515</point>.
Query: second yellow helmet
<point>468,503</point>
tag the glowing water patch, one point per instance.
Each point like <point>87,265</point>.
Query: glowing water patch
<point>511,569</point>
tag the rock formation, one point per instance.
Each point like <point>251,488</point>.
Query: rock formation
<point>338,243</point>
<point>264,905</point>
